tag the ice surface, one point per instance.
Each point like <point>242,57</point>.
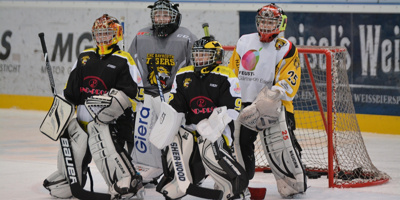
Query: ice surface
<point>27,157</point>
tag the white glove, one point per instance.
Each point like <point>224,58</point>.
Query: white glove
<point>213,127</point>
<point>106,108</point>
<point>264,111</point>
<point>166,127</point>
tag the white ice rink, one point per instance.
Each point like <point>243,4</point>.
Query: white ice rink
<point>27,157</point>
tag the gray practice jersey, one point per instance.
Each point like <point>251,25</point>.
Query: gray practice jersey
<point>168,55</point>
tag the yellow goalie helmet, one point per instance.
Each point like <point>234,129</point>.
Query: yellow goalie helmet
<point>106,32</point>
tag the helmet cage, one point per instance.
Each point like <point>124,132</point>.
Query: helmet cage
<point>106,31</point>
<point>207,54</point>
<point>270,21</point>
<point>165,17</point>
<point>203,57</point>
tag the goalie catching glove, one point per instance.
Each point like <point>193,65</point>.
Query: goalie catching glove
<point>213,127</point>
<point>106,108</point>
<point>264,111</point>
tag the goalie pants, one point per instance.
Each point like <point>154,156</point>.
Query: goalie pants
<point>248,137</point>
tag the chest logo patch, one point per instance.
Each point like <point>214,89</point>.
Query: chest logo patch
<point>250,59</point>
<point>186,82</point>
<point>84,60</point>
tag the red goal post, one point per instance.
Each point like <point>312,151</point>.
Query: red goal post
<point>327,127</point>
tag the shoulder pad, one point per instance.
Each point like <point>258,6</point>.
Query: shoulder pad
<point>223,70</point>
<point>90,49</point>
<point>280,42</point>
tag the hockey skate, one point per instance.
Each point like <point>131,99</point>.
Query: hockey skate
<point>127,189</point>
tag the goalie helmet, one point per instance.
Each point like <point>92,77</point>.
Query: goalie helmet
<point>270,21</point>
<point>106,32</point>
<point>207,53</point>
<point>165,17</point>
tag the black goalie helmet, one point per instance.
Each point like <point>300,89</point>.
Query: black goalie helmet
<point>207,53</point>
<point>165,17</point>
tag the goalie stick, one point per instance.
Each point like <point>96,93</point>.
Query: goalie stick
<point>188,188</point>
<point>76,189</point>
<point>61,111</point>
<point>123,32</point>
<point>48,67</point>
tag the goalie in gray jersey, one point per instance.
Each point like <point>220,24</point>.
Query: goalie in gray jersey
<point>161,49</point>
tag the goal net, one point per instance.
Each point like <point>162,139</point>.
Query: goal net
<point>327,127</point>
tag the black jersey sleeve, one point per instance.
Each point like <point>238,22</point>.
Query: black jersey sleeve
<point>230,90</point>
<point>126,84</point>
<point>71,90</point>
<point>177,98</point>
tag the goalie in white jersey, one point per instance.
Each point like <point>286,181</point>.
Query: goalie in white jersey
<point>269,72</point>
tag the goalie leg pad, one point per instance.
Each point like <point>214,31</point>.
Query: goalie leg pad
<point>144,153</point>
<point>229,176</point>
<point>176,159</point>
<point>284,160</point>
<point>149,174</point>
<point>244,148</point>
<point>113,162</point>
<point>57,182</point>
<point>58,185</point>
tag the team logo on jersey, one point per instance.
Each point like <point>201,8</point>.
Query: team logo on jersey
<point>94,86</point>
<point>297,62</point>
<point>93,83</point>
<point>237,88</point>
<point>186,82</point>
<point>163,76</point>
<point>250,59</point>
<point>201,105</point>
<point>280,43</point>
<point>162,64</point>
<point>84,60</point>
<point>139,79</point>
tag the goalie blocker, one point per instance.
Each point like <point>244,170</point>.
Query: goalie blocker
<point>57,119</point>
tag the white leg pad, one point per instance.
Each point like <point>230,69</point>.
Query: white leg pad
<point>57,183</point>
<point>114,166</point>
<point>148,173</point>
<point>144,153</point>
<point>178,157</point>
<point>231,178</point>
<point>283,159</point>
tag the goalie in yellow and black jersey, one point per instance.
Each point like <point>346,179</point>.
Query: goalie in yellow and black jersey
<point>198,129</point>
